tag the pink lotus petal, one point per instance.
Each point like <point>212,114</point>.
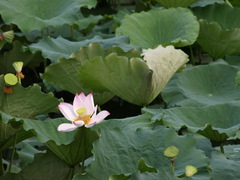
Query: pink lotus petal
<point>90,125</point>
<point>77,103</point>
<point>101,116</point>
<point>82,96</point>
<point>78,123</point>
<point>66,127</point>
<point>89,103</point>
<point>67,110</point>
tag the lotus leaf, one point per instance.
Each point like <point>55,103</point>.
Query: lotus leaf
<point>115,140</point>
<point>64,75</point>
<point>203,3</point>
<point>135,80</point>
<point>219,33</point>
<point>216,122</point>
<point>224,168</point>
<point>55,49</point>
<point>203,85</point>
<point>176,3</point>
<point>41,14</point>
<point>160,26</point>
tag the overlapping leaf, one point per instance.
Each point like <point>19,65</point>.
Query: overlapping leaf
<point>216,122</point>
<point>133,79</point>
<point>203,3</point>
<point>160,26</point>
<point>203,85</point>
<point>55,49</point>
<point>41,14</point>
<point>176,3</point>
<point>219,32</point>
<point>26,102</point>
<point>115,140</point>
<point>223,167</point>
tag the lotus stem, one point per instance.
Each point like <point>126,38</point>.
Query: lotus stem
<point>13,153</point>
<point>172,166</point>
<point>1,164</point>
<point>192,56</point>
<point>83,146</point>
<point>70,174</point>
<point>221,148</point>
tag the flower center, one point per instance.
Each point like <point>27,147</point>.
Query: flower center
<point>83,116</point>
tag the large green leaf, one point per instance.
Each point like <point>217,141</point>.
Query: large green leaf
<point>55,49</point>
<point>135,80</point>
<point>72,147</point>
<point>219,32</point>
<point>161,26</point>
<point>216,122</point>
<point>120,148</point>
<point>37,15</point>
<point>203,85</point>
<point>64,75</point>
<point>223,167</point>
<point>45,166</point>
<point>26,102</point>
<point>203,3</point>
<point>176,3</point>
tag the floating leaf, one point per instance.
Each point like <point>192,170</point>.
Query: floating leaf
<point>224,168</point>
<point>26,102</point>
<point>219,32</point>
<point>203,85</point>
<point>209,121</point>
<point>41,14</point>
<point>203,3</point>
<point>134,80</point>
<point>166,27</point>
<point>44,166</point>
<point>136,143</point>
<point>55,49</point>
<point>176,3</point>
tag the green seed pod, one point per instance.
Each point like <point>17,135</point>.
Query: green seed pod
<point>10,79</point>
<point>171,152</point>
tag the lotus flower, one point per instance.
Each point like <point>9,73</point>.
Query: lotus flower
<point>82,112</point>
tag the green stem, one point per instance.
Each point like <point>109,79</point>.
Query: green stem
<point>13,152</point>
<point>221,148</point>
<point>172,166</point>
<point>228,3</point>
<point>99,109</point>
<point>192,57</point>
<point>71,173</point>
<point>1,164</point>
<point>83,146</point>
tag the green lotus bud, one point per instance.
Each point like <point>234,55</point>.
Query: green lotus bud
<point>8,36</point>
<point>190,170</point>
<point>171,152</point>
<point>18,66</point>
<point>10,79</point>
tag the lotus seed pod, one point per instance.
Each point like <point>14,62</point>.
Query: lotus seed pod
<point>171,152</point>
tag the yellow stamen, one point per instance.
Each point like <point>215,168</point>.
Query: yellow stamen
<point>82,116</point>
<point>86,119</point>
